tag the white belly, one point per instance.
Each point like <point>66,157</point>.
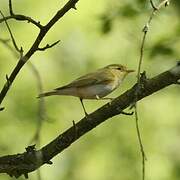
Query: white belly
<point>89,92</point>
<point>92,92</point>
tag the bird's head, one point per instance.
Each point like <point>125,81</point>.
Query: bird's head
<point>119,70</point>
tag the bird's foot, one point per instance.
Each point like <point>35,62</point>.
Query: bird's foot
<point>126,113</point>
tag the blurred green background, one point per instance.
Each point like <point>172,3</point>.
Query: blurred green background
<point>98,33</point>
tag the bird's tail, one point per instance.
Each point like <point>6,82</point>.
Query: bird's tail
<point>50,93</point>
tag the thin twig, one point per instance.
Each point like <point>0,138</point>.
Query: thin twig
<point>34,48</point>
<point>48,46</point>
<point>20,17</point>
<point>145,31</point>
<point>153,5</point>
<point>10,8</point>
<point>144,158</point>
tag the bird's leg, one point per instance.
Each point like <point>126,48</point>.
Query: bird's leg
<point>106,98</point>
<point>97,97</point>
<point>86,114</point>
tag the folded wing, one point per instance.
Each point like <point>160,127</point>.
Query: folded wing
<point>100,77</point>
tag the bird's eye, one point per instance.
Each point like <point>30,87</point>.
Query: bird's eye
<point>118,68</point>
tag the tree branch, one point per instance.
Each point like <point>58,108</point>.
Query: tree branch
<point>43,31</point>
<point>22,164</point>
<point>20,17</point>
<point>48,46</point>
<point>145,31</point>
<point>10,7</point>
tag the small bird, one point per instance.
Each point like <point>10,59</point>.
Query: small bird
<point>95,85</point>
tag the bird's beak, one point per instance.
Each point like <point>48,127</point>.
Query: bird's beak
<point>129,71</point>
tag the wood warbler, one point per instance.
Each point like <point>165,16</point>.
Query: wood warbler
<point>95,85</point>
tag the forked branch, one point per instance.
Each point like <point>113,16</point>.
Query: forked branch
<point>35,46</point>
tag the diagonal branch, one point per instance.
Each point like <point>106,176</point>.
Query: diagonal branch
<point>43,31</point>
<point>24,163</point>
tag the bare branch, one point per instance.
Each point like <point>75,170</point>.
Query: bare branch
<point>43,31</point>
<point>48,46</point>
<point>143,154</point>
<point>21,17</point>
<point>10,8</point>
<point>145,31</point>
<point>153,5</point>
<point>24,163</point>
